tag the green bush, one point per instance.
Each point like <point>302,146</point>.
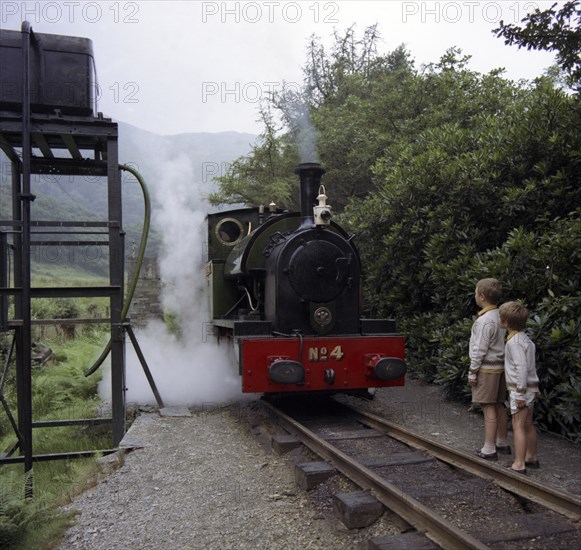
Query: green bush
<point>555,328</point>
<point>55,308</point>
<point>492,196</point>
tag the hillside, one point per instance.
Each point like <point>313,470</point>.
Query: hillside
<point>154,156</point>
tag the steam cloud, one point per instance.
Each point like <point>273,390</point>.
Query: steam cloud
<point>191,369</point>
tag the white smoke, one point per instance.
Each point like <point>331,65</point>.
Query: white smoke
<point>297,113</point>
<point>191,369</point>
<point>307,135</point>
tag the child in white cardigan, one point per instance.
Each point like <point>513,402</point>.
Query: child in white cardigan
<point>522,383</point>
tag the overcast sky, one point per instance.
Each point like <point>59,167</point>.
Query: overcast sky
<point>194,66</point>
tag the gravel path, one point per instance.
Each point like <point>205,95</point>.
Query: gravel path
<point>202,482</point>
<point>206,481</point>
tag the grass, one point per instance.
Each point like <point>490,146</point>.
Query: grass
<point>53,274</point>
<point>38,523</point>
<point>60,392</point>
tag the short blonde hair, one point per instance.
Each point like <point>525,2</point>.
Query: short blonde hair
<point>514,315</point>
<point>491,289</point>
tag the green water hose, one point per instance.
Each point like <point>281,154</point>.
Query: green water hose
<point>138,262</point>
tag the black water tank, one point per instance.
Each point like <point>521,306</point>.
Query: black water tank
<point>62,73</point>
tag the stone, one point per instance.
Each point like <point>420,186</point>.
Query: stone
<point>175,411</point>
<point>111,462</point>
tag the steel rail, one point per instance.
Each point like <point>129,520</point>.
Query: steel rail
<point>523,486</point>
<point>424,520</point>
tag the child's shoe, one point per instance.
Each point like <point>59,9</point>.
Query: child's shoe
<point>491,456</point>
<point>505,449</point>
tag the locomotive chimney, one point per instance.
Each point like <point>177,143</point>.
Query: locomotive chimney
<point>310,175</point>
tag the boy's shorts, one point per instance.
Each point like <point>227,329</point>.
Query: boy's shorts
<point>529,399</point>
<point>491,388</point>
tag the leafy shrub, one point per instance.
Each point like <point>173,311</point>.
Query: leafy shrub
<point>489,196</point>
<point>55,308</point>
<point>555,328</point>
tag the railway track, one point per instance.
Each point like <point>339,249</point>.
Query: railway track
<point>554,521</point>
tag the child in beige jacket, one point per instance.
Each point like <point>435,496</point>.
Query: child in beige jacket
<point>486,373</point>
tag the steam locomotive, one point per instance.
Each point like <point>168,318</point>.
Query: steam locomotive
<point>285,290</point>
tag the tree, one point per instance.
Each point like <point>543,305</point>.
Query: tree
<point>333,119</point>
<point>327,73</point>
<point>265,175</point>
<point>358,103</point>
<point>551,30</point>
